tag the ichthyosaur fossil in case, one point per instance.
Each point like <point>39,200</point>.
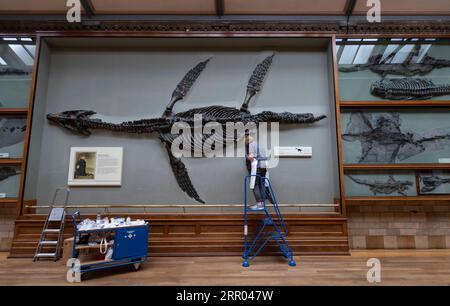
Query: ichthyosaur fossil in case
<point>409,67</point>
<point>12,130</point>
<point>430,183</point>
<point>6,172</point>
<point>408,89</point>
<point>383,140</point>
<point>82,121</point>
<point>14,71</point>
<point>384,187</point>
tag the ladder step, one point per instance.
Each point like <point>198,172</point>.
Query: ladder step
<point>48,242</point>
<point>52,230</point>
<point>45,255</point>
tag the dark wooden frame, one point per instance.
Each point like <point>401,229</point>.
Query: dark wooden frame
<point>42,35</point>
<point>26,111</point>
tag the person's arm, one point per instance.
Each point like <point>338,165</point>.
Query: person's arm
<point>252,151</point>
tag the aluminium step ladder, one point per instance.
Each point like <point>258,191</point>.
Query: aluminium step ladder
<point>54,226</point>
<point>271,228</point>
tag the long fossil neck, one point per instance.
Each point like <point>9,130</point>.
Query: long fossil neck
<point>136,126</point>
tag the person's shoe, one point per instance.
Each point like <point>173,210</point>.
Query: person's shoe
<point>258,206</point>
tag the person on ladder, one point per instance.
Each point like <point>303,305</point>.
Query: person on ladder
<point>256,162</point>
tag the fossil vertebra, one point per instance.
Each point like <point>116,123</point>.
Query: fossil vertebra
<point>384,187</point>
<point>382,139</point>
<point>6,172</point>
<point>432,182</point>
<point>82,121</point>
<point>408,89</point>
<point>409,67</point>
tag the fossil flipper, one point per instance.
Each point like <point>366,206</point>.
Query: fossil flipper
<point>256,80</point>
<point>185,85</point>
<point>179,169</point>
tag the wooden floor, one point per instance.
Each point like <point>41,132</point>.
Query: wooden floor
<point>409,267</point>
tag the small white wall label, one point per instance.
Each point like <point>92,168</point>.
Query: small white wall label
<point>293,151</point>
<point>4,155</point>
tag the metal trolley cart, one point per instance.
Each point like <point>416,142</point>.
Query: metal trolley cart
<point>129,248</point>
<point>272,226</point>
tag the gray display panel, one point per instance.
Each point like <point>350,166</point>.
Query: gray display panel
<point>137,83</point>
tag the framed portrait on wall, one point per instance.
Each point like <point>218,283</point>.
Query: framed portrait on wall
<point>95,166</point>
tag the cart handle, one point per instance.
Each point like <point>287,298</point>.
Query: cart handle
<point>74,218</point>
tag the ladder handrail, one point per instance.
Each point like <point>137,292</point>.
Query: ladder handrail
<point>58,189</point>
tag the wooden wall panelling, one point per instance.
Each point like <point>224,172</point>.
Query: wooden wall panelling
<point>206,235</point>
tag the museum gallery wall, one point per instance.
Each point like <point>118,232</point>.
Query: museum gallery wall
<point>393,120</point>
<point>130,84</point>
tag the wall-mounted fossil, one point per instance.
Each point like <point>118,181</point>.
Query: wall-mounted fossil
<point>6,172</point>
<point>384,187</point>
<point>82,121</point>
<point>12,130</point>
<point>408,89</point>
<point>409,67</point>
<point>14,71</point>
<point>430,183</point>
<point>383,141</point>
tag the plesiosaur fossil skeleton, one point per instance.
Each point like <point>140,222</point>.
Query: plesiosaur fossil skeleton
<point>82,121</point>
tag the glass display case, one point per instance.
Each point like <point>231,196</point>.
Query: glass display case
<point>435,182</point>
<point>9,181</point>
<point>380,184</point>
<point>12,136</point>
<point>150,70</point>
<point>394,69</point>
<point>395,136</point>
<point>16,62</point>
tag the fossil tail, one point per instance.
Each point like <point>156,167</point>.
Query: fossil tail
<point>357,181</point>
<point>354,68</point>
<point>6,172</point>
<point>287,117</point>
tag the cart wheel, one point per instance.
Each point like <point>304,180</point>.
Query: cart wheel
<point>136,266</point>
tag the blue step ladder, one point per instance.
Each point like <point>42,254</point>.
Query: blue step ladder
<point>272,226</point>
